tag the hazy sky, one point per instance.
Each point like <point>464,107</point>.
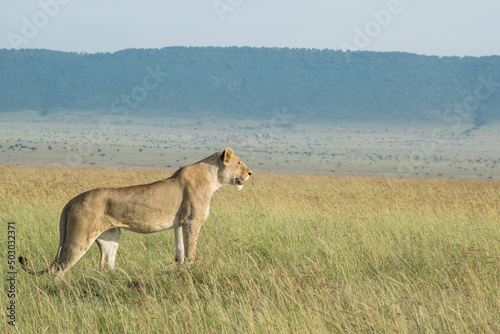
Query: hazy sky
<point>432,27</point>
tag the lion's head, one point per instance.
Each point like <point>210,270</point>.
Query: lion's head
<point>233,170</point>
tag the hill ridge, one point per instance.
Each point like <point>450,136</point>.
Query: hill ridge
<point>249,82</point>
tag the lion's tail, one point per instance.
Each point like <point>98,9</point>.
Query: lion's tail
<point>62,237</point>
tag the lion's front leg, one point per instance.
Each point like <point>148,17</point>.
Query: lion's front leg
<point>190,233</point>
<point>108,244</point>
<point>179,245</point>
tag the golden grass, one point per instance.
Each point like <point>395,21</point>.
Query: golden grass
<point>286,254</point>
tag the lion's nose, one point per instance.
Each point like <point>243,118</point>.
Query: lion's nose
<point>249,173</point>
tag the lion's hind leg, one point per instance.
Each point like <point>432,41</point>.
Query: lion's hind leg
<point>71,252</point>
<point>108,244</point>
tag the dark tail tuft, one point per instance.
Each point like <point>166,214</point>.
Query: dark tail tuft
<point>23,261</point>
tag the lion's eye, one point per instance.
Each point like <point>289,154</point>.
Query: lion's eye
<point>239,162</point>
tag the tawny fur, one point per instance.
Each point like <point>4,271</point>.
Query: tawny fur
<point>180,202</point>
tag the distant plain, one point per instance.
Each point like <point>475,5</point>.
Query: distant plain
<point>280,144</point>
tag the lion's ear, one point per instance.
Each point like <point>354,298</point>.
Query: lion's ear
<point>226,155</point>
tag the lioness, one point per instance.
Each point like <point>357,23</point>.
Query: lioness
<point>180,202</point>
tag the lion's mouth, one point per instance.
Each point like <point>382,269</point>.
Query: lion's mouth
<point>238,182</point>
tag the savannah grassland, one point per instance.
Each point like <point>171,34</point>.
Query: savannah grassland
<point>287,254</point>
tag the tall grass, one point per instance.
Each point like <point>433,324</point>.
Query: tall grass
<point>286,254</point>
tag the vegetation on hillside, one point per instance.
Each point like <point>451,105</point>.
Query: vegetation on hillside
<point>248,82</point>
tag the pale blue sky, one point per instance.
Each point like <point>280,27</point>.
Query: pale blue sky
<point>432,27</point>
